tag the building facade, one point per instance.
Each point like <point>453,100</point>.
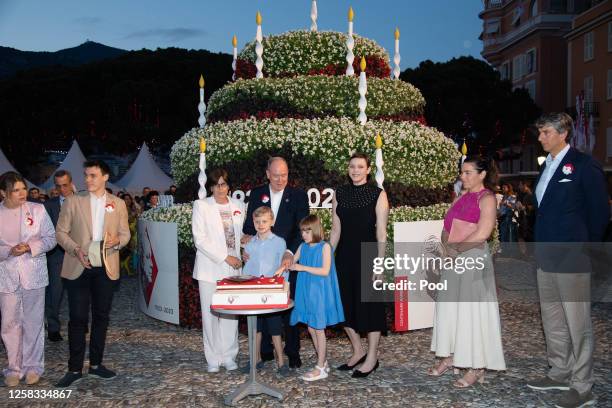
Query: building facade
<point>589,46</point>
<point>524,40</point>
<point>527,42</point>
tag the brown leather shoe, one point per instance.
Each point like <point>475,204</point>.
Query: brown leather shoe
<point>11,380</point>
<point>32,378</point>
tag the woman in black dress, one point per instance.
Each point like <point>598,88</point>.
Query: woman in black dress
<point>360,213</point>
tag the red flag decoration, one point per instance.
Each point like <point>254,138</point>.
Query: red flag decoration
<point>401,306</point>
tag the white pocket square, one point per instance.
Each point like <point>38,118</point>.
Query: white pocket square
<point>564,181</point>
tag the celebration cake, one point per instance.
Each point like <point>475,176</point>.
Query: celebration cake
<point>250,292</point>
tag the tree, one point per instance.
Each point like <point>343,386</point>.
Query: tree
<point>109,106</point>
<point>466,99</point>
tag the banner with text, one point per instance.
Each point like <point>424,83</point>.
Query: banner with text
<point>158,270</point>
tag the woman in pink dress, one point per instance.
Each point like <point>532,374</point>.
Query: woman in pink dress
<point>467,331</point>
<point>26,234</point>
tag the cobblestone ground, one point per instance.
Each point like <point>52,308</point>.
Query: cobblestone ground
<point>161,365</point>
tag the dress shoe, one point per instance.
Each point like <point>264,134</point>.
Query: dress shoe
<point>572,399</point>
<point>267,356</point>
<point>547,383</point>
<point>102,372</point>
<point>283,371</point>
<point>11,380</point>
<point>212,368</point>
<point>55,336</point>
<point>295,362</point>
<point>361,374</point>
<point>247,368</point>
<point>69,378</point>
<point>32,378</point>
<point>346,367</point>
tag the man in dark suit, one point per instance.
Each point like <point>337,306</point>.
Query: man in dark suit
<point>55,257</point>
<point>572,210</point>
<point>289,205</point>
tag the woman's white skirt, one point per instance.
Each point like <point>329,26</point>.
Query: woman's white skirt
<point>466,317</point>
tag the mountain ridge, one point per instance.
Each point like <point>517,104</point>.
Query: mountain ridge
<point>13,60</point>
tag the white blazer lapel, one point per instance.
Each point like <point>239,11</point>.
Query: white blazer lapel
<point>213,216</point>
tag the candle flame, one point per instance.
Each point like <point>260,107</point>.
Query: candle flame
<point>378,141</point>
<point>351,14</point>
<point>397,33</point>
<point>363,64</point>
<point>234,41</point>
<point>258,18</point>
<point>464,149</point>
<point>202,145</point>
<point>201,81</point>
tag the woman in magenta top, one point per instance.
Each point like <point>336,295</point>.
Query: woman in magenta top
<point>467,331</point>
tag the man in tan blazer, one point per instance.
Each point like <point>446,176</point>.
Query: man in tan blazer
<point>92,228</point>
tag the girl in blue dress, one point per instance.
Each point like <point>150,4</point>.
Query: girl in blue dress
<point>317,296</point>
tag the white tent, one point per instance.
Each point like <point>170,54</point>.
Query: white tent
<point>5,165</point>
<point>74,164</point>
<point>144,173</point>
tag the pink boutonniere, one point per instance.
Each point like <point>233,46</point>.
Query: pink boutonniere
<point>265,199</point>
<point>568,169</point>
<point>29,221</point>
<point>109,207</point>
<point>237,212</point>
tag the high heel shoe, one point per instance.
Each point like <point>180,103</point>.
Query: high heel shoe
<point>362,374</point>
<point>470,377</point>
<point>441,368</point>
<point>346,367</point>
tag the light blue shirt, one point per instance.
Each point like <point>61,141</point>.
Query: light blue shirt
<point>549,171</point>
<point>265,255</point>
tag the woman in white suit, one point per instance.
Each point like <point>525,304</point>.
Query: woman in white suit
<point>26,234</point>
<point>217,229</point>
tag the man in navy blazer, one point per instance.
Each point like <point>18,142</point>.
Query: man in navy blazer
<point>572,210</point>
<point>289,205</point>
<point>55,257</point>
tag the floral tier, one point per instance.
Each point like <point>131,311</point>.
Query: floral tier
<point>314,97</point>
<point>306,53</point>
